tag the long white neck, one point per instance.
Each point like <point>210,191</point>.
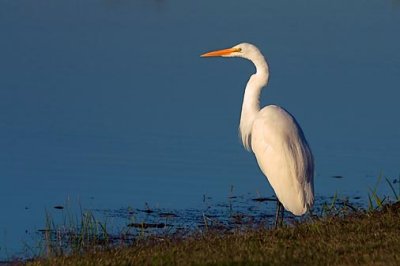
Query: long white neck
<point>251,99</point>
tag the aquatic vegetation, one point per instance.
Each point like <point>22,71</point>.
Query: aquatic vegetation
<point>375,201</point>
<point>359,238</point>
<point>155,236</point>
<point>76,234</point>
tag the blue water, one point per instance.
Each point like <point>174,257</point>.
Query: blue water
<point>108,103</point>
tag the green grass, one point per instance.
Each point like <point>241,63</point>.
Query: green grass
<point>75,234</point>
<point>362,238</point>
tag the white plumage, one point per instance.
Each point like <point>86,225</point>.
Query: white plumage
<point>284,157</point>
<point>275,137</point>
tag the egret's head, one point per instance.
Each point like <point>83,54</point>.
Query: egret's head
<point>245,50</point>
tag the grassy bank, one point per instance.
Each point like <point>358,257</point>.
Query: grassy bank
<point>361,238</point>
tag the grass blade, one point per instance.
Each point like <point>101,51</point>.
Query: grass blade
<point>393,190</point>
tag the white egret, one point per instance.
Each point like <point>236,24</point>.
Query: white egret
<point>275,137</point>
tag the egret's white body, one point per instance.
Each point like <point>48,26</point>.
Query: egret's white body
<point>275,137</point>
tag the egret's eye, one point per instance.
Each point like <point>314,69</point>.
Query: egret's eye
<point>238,50</point>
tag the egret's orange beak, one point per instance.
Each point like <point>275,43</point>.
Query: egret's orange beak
<point>221,52</point>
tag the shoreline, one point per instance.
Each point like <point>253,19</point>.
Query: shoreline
<point>362,237</point>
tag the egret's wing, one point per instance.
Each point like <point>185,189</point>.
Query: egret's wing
<point>284,157</point>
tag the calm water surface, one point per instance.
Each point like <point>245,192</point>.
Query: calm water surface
<point>108,103</point>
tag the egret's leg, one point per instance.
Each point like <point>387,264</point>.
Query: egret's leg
<point>282,213</point>
<point>279,214</point>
